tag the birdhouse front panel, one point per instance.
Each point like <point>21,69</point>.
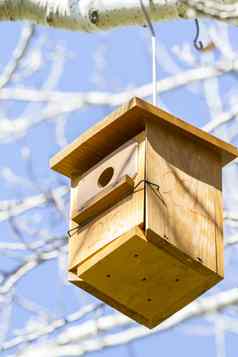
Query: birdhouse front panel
<point>146,211</point>
<point>104,201</point>
<point>103,177</point>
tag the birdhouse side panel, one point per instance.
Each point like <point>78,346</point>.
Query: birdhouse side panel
<point>120,217</point>
<point>186,211</point>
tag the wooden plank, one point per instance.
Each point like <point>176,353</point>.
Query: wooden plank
<point>119,127</point>
<point>184,211</point>
<point>80,283</point>
<point>111,223</point>
<point>219,231</point>
<point>150,285</point>
<point>106,227</point>
<point>104,200</point>
<point>111,170</point>
<point>226,151</point>
<point>99,141</point>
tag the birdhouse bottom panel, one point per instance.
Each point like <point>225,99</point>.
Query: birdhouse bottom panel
<point>143,281</point>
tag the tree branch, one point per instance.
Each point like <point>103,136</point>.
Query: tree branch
<point>19,53</point>
<point>95,15</point>
<point>14,208</point>
<point>32,262</point>
<point>50,328</point>
<point>80,339</point>
<point>67,102</point>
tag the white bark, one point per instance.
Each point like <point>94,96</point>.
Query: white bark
<point>9,209</point>
<point>94,15</point>
<point>81,339</point>
<point>19,52</point>
<point>60,103</point>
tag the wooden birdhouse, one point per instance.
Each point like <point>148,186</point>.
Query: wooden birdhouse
<point>146,217</point>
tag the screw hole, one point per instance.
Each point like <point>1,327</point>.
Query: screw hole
<point>143,279</point>
<point>136,255</point>
<point>149,299</point>
<point>177,280</point>
<point>199,259</point>
<point>108,275</point>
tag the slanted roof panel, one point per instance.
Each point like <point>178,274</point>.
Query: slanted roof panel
<point>122,125</point>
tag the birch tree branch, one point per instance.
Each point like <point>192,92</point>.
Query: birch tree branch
<point>32,262</point>
<point>80,339</point>
<point>222,119</point>
<point>113,99</point>
<point>52,327</point>
<point>231,216</point>
<point>95,15</point>
<point>19,53</point>
<point>67,102</point>
<point>231,240</point>
<point>14,208</point>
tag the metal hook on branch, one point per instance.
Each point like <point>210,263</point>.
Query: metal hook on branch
<point>197,43</point>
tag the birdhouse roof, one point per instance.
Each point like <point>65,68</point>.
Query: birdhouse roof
<point>119,127</point>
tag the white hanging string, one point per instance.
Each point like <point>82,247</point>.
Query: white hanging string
<point>153,48</point>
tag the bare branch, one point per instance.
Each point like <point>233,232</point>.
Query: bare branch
<point>95,15</point>
<point>14,208</point>
<point>19,52</point>
<point>50,328</point>
<point>14,277</point>
<point>76,341</point>
<point>63,103</point>
<point>114,99</point>
<point>222,119</point>
<point>231,216</point>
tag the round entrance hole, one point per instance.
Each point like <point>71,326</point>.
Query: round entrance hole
<point>105,177</point>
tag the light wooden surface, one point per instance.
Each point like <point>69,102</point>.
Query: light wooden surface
<point>152,252</point>
<point>219,232</point>
<point>146,283</point>
<point>113,222</point>
<point>119,127</point>
<point>156,251</point>
<point>122,162</point>
<point>104,200</point>
<point>80,283</point>
<point>186,210</point>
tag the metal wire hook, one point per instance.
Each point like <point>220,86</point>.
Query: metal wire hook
<point>197,43</point>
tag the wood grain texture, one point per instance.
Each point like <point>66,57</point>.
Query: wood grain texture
<point>185,211</point>
<point>122,162</point>
<point>150,252</point>
<point>119,127</point>
<point>146,283</point>
<point>80,283</point>
<point>112,222</point>
<point>219,232</point>
<point>104,200</point>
